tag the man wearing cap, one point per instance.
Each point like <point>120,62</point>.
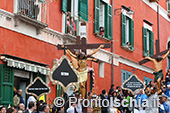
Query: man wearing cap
<point>164,107</point>
<point>167,92</point>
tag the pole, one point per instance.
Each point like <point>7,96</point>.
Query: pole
<point>112,50</point>
<point>37,105</point>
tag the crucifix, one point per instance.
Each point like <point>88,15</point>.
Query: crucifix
<point>79,59</point>
<point>157,60</point>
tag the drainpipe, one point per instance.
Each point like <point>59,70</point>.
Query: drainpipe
<point>112,47</point>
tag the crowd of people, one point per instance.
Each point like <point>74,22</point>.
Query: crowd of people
<point>117,92</point>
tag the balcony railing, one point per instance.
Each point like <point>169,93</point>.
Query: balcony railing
<point>33,9</point>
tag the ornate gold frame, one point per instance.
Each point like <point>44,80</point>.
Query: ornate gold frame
<point>56,82</point>
<point>33,83</point>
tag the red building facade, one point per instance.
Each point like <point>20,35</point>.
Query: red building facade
<point>29,34</point>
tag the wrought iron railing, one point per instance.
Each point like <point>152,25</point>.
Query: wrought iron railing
<point>34,9</point>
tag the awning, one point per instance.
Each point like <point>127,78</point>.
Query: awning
<point>25,64</point>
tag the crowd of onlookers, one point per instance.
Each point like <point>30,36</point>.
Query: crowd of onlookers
<point>114,93</point>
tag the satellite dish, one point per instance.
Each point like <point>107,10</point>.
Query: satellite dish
<point>70,90</point>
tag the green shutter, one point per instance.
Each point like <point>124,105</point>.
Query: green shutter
<point>169,6</point>
<point>123,76</point>
<point>6,85</point>
<point>108,23</point>
<point>64,5</point>
<point>83,9</point>
<point>123,28</point>
<point>131,33</point>
<point>144,41</point>
<point>96,17</point>
<point>151,43</point>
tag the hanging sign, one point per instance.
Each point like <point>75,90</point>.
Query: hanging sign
<point>133,84</point>
<point>63,73</point>
<point>38,88</point>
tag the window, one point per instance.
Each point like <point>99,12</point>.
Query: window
<point>76,7</point>
<point>168,6</point>
<point>103,19</point>
<point>147,80</point>
<point>127,32</point>
<point>30,8</point>
<point>125,75</point>
<point>101,69</point>
<point>148,42</point>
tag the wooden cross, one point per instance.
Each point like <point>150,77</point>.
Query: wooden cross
<point>157,53</point>
<point>81,44</point>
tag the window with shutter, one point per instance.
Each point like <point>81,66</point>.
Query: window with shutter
<point>168,6</point>
<point>103,19</point>
<point>109,21</point>
<point>127,32</point>
<point>83,9</point>
<point>125,75</point>
<point>148,42</point>
<point>64,5</point>
<point>96,17</point>
<point>6,85</point>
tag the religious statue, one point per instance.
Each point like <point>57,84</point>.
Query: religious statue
<point>158,68</point>
<point>79,62</point>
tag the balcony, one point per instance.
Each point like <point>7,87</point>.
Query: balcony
<point>32,12</point>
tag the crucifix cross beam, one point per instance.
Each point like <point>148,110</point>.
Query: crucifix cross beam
<point>157,53</point>
<point>81,44</point>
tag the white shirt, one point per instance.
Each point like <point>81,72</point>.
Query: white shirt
<point>79,108</point>
<point>70,109</point>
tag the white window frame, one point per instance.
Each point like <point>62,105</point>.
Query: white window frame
<point>101,69</point>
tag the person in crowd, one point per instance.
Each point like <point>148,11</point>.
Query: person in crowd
<point>79,105</point>
<point>96,108</point>
<point>31,98</point>
<point>90,93</point>
<point>167,91</point>
<point>141,96</point>
<point>167,79</point>
<point>31,107</point>
<point>111,89</point>
<point>72,108</point>
<point>101,32</point>
<point>20,96</point>
<point>10,110</point>
<point>61,110</point>
<point>73,25</point>
<point>104,96</point>
<point>46,108</point>
<point>19,111</point>
<point>164,107</point>
<point>2,109</point>
<point>22,107</point>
